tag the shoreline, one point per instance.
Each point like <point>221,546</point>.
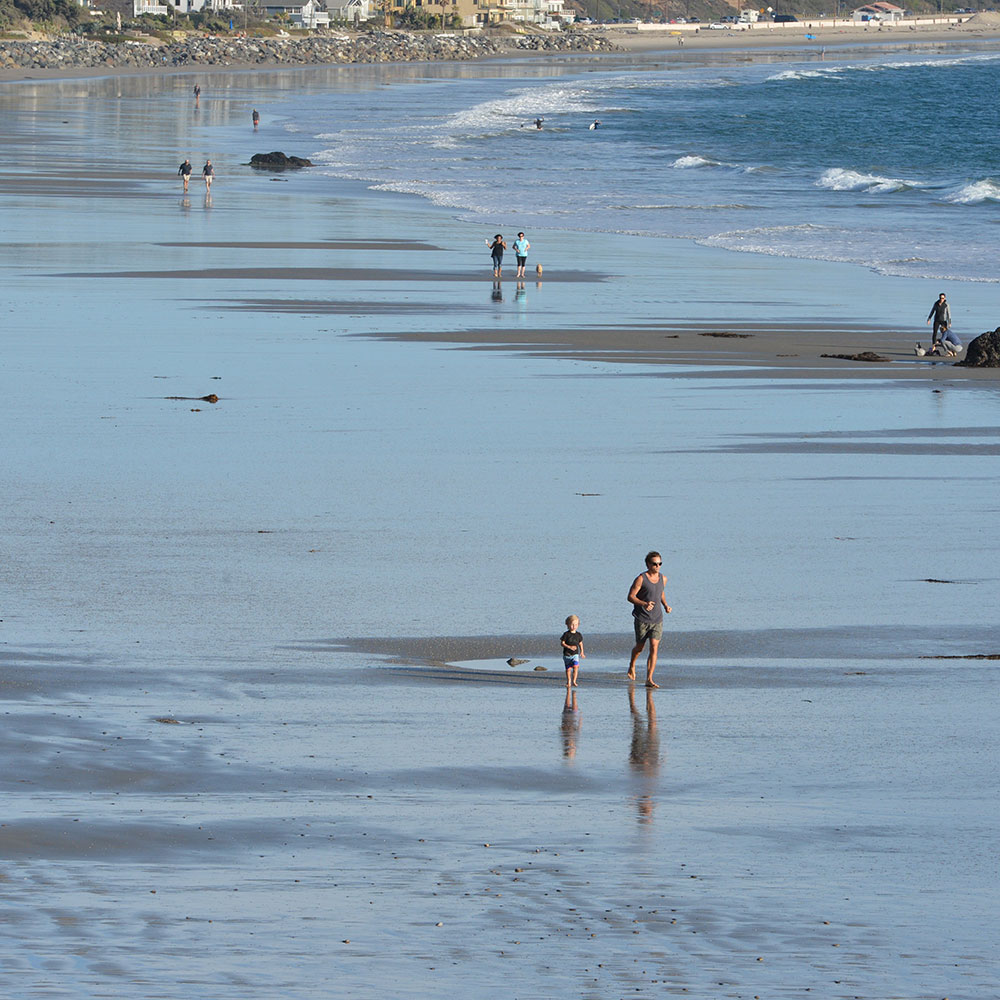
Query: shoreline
<point>221,55</point>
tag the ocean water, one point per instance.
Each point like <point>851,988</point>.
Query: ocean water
<point>887,160</point>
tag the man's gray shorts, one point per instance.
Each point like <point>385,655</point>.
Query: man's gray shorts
<point>647,630</point>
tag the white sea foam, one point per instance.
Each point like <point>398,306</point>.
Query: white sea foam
<point>827,73</point>
<point>975,193</point>
<point>833,72</point>
<point>672,206</point>
<point>839,179</point>
<point>693,162</point>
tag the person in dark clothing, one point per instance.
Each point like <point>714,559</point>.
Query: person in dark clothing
<point>497,248</point>
<point>941,315</point>
<point>184,170</point>
<point>572,649</point>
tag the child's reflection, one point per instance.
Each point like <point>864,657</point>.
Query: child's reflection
<point>570,726</point>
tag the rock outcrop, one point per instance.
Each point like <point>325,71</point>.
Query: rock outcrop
<point>278,161</point>
<point>983,352</point>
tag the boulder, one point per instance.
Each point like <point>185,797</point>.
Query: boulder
<point>983,352</point>
<point>278,161</point>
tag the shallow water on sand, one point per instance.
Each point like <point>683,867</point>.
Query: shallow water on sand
<point>319,807</point>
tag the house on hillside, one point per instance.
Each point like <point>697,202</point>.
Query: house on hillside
<point>181,6</point>
<point>879,10</point>
<point>351,11</point>
<point>302,14</point>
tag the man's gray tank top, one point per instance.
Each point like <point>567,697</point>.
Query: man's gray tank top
<point>649,592</point>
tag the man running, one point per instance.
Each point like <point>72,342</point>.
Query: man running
<point>648,601</point>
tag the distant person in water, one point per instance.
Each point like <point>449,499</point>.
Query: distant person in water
<point>208,172</point>
<point>595,124</point>
<point>648,604</point>
<point>521,246</point>
<point>572,649</point>
<point>941,315</point>
<point>538,123</point>
<point>256,119</point>
<point>497,248</point>
<point>184,170</point>
<point>197,95</point>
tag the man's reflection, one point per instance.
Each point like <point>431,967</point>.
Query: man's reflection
<point>644,753</point>
<point>570,726</point>
<point>497,294</point>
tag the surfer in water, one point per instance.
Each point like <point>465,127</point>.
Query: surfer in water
<point>538,123</point>
<point>595,124</point>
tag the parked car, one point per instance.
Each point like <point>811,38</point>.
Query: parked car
<point>784,18</point>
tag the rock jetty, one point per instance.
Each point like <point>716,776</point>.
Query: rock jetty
<point>316,50</point>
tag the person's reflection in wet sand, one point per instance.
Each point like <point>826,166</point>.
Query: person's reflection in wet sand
<point>644,753</point>
<point>497,294</point>
<point>570,724</point>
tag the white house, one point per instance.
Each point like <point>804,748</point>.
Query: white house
<point>352,11</point>
<point>181,6</point>
<point>543,13</point>
<point>879,10</point>
<point>306,14</point>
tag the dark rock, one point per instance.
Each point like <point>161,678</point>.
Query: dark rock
<point>863,356</point>
<point>515,662</point>
<point>278,161</point>
<point>983,352</point>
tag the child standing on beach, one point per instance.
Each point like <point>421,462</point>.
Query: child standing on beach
<point>572,650</point>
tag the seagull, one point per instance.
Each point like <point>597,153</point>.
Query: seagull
<point>919,352</point>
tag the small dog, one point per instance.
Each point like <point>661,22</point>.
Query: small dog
<point>538,270</point>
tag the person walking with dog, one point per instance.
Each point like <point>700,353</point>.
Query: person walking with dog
<point>648,604</point>
<point>941,315</point>
<point>521,246</point>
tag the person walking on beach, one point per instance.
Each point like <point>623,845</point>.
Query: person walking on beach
<point>197,95</point>
<point>497,248</point>
<point>208,172</point>
<point>256,119</point>
<point>521,246</point>
<point>184,170</point>
<point>941,314</point>
<point>572,649</point>
<point>648,604</point>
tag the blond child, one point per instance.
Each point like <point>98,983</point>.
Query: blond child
<point>572,649</point>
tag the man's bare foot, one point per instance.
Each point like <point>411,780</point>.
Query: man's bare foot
<point>575,684</point>
<point>651,684</point>
<point>631,675</point>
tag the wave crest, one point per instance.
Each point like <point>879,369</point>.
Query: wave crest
<point>976,193</point>
<point>839,179</point>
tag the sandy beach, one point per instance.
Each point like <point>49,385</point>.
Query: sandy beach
<point>260,732</point>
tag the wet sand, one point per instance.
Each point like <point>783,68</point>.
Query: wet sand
<point>212,790</point>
